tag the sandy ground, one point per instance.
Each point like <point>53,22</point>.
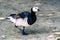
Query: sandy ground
<point>48,19</point>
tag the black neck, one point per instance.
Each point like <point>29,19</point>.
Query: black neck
<point>32,11</point>
<point>33,17</point>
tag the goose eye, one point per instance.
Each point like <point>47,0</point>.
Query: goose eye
<point>38,9</point>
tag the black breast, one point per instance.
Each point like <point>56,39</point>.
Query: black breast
<point>31,19</point>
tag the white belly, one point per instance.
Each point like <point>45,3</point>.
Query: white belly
<point>22,22</point>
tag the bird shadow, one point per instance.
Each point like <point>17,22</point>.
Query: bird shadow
<point>34,31</point>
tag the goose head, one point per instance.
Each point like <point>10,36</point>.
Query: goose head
<point>35,9</point>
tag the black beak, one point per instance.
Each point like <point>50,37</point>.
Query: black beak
<point>38,9</point>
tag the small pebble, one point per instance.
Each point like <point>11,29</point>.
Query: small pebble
<point>40,14</point>
<point>3,36</point>
<point>50,15</point>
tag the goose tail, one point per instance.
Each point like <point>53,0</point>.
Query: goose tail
<point>2,18</point>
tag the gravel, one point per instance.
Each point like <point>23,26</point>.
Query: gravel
<point>44,25</point>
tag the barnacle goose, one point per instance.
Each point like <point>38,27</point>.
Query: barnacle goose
<point>24,19</point>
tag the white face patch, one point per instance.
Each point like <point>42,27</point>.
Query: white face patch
<point>35,9</point>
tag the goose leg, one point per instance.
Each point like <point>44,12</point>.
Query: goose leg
<point>23,31</point>
<point>16,26</point>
